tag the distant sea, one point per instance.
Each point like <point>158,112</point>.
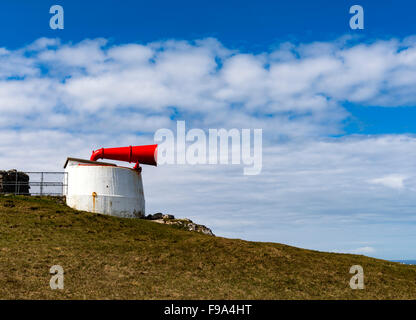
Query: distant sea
<point>406,261</point>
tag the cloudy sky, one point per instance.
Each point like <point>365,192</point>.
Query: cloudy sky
<point>336,107</point>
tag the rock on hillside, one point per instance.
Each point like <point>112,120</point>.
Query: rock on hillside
<point>185,223</point>
<point>14,181</point>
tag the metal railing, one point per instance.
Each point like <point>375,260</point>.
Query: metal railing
<point>38,183</point>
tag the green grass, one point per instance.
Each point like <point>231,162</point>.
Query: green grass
<point>113,258</point>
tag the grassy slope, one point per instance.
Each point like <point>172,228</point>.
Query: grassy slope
<point>107,257</point>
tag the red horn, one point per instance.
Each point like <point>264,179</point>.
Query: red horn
<point>137,154</point>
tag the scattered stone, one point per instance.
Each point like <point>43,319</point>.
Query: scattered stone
<point>184,223</point>
<point>199,228</point>
<point>155,216</point>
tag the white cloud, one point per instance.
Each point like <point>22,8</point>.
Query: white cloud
<point>362,250</point>
<point>204,77</point>
<point>59,100</point>
<point>394,181</point>
<point>303,94</point>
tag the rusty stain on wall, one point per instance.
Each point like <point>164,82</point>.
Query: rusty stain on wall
<point>94,195</point>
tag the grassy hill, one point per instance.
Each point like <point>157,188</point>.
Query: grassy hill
<point>113,258</point>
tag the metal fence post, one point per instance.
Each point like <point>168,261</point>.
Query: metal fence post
<point>41,183</point>
<point>58,188</point>
<point>15,185</point>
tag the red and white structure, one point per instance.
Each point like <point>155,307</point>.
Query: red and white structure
<point>106,188</point>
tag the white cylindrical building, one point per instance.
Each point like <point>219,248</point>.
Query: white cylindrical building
<point>104,188</point>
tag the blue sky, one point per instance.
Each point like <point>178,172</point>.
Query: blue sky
<point>250,25</point>
<point>336,107</point>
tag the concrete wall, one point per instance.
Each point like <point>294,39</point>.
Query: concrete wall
<point>105,189</point>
